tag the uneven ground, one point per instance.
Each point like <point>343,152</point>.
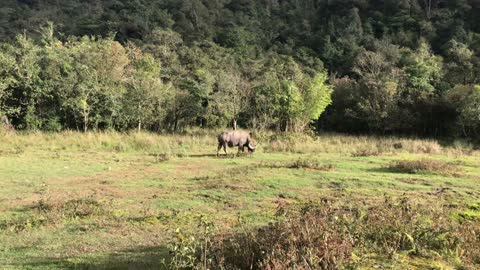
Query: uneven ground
<point>113,201</point>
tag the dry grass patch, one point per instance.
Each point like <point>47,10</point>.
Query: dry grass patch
<point>366,152</point>
<point>310,164</point>
<point>422,166</point>
<point>357,146</point>
<point>72,209</point>
<point>183,144</point>
<point>300,163</point>
<point>326,235</point>
<point>46,212</point>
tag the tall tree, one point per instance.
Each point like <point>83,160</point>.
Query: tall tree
<point>147,96</point>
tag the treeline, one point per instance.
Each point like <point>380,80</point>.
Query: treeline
<point>97,83</point>
<point>408,66</point>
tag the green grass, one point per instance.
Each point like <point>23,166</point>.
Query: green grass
<point>142,198</point>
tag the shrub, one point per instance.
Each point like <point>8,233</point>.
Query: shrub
<point>396,226</point>
<point>53,125</point>
<point>315,239</point>
<point>469,237</point>
<point>325,236</point>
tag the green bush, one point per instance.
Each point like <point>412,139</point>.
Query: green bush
<point>327,235</point>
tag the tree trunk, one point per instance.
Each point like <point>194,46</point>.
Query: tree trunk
<point>85,122</point>
<point>428,8</point>
<point>139,119</point>
<point>234,124</point>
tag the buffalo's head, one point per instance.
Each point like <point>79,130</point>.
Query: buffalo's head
<point>251,148</point>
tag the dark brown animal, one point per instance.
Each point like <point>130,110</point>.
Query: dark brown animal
<point>233,138</point>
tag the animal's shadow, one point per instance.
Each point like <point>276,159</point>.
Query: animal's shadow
<point>221,156</point>
<point>203,156</point>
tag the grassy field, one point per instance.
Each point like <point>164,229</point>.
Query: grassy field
<point>118,201</point>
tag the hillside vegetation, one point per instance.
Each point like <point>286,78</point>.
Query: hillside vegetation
<point>396,67</point>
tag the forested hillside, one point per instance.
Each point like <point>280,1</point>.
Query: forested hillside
<point>382,66</point>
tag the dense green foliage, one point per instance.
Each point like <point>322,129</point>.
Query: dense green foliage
<point>408,66</point>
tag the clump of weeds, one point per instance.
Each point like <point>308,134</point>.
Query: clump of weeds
<point>300,163</point>
<point>334,235</point>
<point>46,212</point>
<point>422,166</point>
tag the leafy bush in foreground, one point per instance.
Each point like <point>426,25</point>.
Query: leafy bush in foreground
<point>330,236</point>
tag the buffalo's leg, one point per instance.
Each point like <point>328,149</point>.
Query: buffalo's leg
<point>225,149</point>
<point>218,148</point>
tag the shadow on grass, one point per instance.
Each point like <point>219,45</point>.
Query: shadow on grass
<point>229,156</point>
<point>204,156</point>
<point>132,259</point>
<point>386,170</point>
<point>382,170</point>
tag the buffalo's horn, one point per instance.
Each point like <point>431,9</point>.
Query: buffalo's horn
<point>251,146</point>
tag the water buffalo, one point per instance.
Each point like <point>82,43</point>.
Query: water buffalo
<point>238,138</point>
